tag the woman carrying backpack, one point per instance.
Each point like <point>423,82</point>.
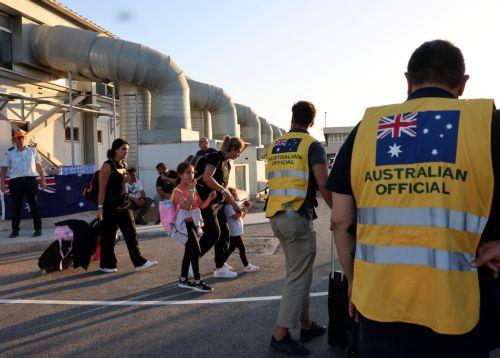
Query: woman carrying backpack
<point>114,210</point>
<point>213,170</point>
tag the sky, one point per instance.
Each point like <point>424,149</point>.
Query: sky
<point>343,56</point>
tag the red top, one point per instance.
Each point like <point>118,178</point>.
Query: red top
<point>185,193</point>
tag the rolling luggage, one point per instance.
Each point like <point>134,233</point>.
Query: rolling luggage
<point>342,330</point>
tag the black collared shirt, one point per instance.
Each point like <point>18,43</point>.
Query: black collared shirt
<point>339,180</point>
<point>220,162</point>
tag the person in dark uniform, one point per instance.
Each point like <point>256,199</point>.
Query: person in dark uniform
<point>215,170</point>
<point>24,164</point>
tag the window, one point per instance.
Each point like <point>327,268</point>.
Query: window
<point>5,42</point>
<point>99,136</point>
<point>76,133</point>
<point>240,176</point>
<point>106,90</point>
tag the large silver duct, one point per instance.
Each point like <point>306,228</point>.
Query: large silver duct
<point>135,114</point>
<point>249,124</point>
<point>201,121</point>
<point>214,99</point>
<point>95,57</point>
<point>266,131</point>
<point>276,131</point>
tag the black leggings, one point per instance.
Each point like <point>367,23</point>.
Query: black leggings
<point>237,242</point>
<point>191,253</point>
<point>216,233</point>
<point>112,219</point>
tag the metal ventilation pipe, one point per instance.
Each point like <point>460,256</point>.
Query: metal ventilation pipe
<point>92,56</point>
<point>276,132</point>
<point>249,124</point>
<point>201,121</point>
<point>266,131</point>
<point>214,99</point>
<point>135,114</point>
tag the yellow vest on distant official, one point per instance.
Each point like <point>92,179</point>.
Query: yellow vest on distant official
<point>288,171</point>
<point>422,177</point>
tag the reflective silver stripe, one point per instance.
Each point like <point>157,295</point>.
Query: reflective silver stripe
<point>288,192</point>
<point>299,174</point>
<point>411,255</point>
<point>434,217</point>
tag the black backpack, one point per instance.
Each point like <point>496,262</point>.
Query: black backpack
<point>91,191</point>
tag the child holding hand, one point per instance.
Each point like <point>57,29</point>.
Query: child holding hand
<point>235,224</point>
<point>189,204</point>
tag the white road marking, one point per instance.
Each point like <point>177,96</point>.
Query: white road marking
<point>148,303</point>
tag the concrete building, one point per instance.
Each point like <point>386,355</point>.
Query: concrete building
<point>60,80</point>
<point>36,98</point>
<point>334,138</point>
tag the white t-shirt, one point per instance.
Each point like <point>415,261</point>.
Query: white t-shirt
<point>134,189</point>
<point>235,226</point>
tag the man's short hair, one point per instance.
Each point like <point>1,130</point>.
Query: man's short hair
<point>132,170</point>
<point>160,165</point>
<point>203,139</point>
<point>437,61</point>
<point>303,113</point>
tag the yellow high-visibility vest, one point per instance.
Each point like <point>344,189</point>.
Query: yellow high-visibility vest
<point>422,177</point>
<point>288,171</point>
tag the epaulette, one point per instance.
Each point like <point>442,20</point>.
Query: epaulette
<point>11,148</point>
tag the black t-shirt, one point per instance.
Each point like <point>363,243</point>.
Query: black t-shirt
<point>220,162</point>
<point>339,180</point>
<point>201,153</point>
<point>165,185</point>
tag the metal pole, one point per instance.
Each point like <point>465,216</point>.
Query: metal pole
<point>71,121</point>
<point>114,112</point>
<point>22,109</point>
<point>325,119</point>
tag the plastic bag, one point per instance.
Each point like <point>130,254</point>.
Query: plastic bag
<point>168,214</point>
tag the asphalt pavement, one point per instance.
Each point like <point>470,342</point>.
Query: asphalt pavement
<point>86,313</point>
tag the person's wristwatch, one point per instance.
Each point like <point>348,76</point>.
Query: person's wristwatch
<point>100,206</point>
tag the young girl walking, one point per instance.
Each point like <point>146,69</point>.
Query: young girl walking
<point>189,204</point>
<point>235,224</point>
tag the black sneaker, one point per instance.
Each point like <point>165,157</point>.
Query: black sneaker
<point>288,346</point>
<point>186,284</point>
<point>141,222</point>
<point>37,233</point>
<point>158,222</point>
<point>202,287</point>
<point>315,331</point>
<point>13,234</point>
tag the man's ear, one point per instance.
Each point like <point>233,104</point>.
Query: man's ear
<point>409,83</point>
<point>461,87</point>
<point>311,124</point>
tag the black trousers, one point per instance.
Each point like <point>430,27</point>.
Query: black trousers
<point>215,233</point>
<point>191,253</point>
<point>396,340</point>
<point>143,209</point>
<point>112,219</point>
<point>237,242</point>
<point>19,187</point>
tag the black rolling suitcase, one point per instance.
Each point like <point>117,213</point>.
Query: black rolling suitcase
<point>342,330</point>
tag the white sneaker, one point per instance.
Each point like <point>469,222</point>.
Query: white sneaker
<point>251,268</point>
<point>190,272</point>
<point>228,267</point>
<point>146,265</point>
<point>224,272</point>
<point>108,270</point>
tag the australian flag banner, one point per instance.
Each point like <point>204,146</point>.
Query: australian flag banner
<point>63,195</point>
<point>418,137</point>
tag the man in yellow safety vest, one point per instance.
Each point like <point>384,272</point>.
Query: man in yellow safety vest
<point>418,180</point>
